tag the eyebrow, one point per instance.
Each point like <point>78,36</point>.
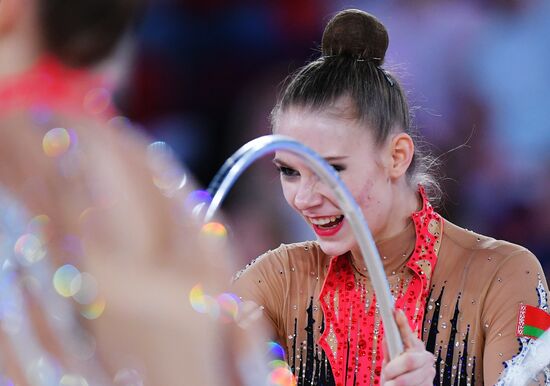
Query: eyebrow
<point>340,158</point>
<point>277,161</point>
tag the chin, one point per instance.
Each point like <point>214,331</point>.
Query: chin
<point>333,248</point>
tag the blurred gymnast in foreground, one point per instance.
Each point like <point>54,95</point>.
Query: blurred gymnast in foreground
<point>98,260</point>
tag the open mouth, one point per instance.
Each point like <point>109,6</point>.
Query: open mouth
<point>327,222</point>
<point>327,226</point>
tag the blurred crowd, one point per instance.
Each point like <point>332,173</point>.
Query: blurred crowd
<point>207,73</point>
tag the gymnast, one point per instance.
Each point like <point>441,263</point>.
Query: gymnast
<point>467,305</point>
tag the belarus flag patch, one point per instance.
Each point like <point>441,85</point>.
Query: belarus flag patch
<point>532,321</point>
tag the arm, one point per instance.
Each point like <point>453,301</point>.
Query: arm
<point>261,286</point>
<point>519,280</point>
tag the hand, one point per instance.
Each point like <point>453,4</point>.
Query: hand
<point>413,367</point>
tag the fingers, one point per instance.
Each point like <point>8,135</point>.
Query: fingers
<point>415,366</point>
<point>410,341</point>
<point>408,362</point>
<point>422,376</point>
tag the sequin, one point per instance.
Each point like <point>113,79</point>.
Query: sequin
<point>56,142</point>
<point>197,202</point>
<point>73,380</point>
<point>197,299</point>
<point>85,290</point>
<point>281,376</point>
<point>128,377</point>
<point>214,229</point>
<point>29,249</point>
<point>229,306</point>
<point>40,226</point>
<point>248,313</point>
<point>276,350</point>
<point>94,310</point>
<point>167,175</point>
<point>67,280</point>
<point>43,372</point>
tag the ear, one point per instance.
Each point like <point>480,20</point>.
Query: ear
<point>402,152</point>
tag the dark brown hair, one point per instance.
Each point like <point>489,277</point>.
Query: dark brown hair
<point>82,32</point>
<point>354,45</point>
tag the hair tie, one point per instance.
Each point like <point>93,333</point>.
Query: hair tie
<point>373,60</point>
<point>387,76</point>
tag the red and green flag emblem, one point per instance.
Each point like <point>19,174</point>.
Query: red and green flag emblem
<point>532,321</point>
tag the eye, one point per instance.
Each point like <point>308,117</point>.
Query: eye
<point>338,168</point>
<point>287,172</point>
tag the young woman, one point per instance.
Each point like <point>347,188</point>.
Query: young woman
<point>462,293</point>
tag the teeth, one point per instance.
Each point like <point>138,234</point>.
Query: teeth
<point>324,220</point>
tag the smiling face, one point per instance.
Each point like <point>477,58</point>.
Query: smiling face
<point>365,168</point>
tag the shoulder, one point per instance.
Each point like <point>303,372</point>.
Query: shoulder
<point>457,240</point>
<point>482,261</point>
<point>287,257</point>
<point>503,273</point>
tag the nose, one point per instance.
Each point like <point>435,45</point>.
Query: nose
<point>308,194</point>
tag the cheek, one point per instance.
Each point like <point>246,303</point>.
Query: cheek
<point>372,204</point>
<point>289,192</point>
<point>363,195</point>
<point>369,190</point>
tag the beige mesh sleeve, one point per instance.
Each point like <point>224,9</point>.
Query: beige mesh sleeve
<point>519,280</point>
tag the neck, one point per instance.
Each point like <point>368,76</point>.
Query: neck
<point>405,202</point>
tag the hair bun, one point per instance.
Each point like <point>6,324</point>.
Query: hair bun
<point>355,33</point>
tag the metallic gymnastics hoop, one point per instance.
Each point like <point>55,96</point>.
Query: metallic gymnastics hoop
<point>235,165</point>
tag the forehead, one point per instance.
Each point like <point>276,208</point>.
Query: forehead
<point>330,131</point>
